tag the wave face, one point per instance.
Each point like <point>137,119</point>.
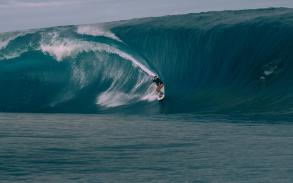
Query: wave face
<point>216,62</point>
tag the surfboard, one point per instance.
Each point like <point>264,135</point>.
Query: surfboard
<point>160,98</point>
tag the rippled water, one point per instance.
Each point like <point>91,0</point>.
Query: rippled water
<point>161,148</point>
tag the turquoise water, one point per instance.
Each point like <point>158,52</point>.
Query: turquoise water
<point>157,148</point>
<point>216,62</point>
<point>78,103</point>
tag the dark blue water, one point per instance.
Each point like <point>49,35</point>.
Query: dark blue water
<point>159,148</point>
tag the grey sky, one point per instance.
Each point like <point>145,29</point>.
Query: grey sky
<point>25,14</point>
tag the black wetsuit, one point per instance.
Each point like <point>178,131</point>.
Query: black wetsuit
<point>158,81</point>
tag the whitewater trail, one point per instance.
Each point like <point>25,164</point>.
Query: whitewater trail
<point>68,48</point>
<point>64,48</point>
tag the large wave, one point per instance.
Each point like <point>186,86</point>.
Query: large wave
<point>215,62</point>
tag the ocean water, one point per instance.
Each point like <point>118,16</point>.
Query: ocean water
<point>132,148</point>
<point>216,62</point>
<point>77,103</point>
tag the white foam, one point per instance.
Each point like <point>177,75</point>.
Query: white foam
<point>79,75</point>
<point>95,30</point>
<point>126,56</point>
<point>150,95</point>
<point>114,99</point>
<point>5,39</point>
<point>62,48</point>
<point>115,95</point>
<point>12,55</point>
<point>117,98</point>
<point>4,42</point>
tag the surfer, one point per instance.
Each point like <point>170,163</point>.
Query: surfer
<point>159,84</point>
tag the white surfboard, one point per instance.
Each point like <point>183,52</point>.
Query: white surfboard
<point>160,98</point>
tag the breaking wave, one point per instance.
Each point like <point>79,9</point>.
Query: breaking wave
<point>215,62</point>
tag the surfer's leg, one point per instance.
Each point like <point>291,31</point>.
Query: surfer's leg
<point>159,89</point>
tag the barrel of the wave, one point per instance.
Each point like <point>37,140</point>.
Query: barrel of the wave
<point>160,89</point>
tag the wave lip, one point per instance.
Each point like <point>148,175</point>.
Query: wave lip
<point>96,30</point>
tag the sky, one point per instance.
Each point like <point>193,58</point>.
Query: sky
<point>27,14</point>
